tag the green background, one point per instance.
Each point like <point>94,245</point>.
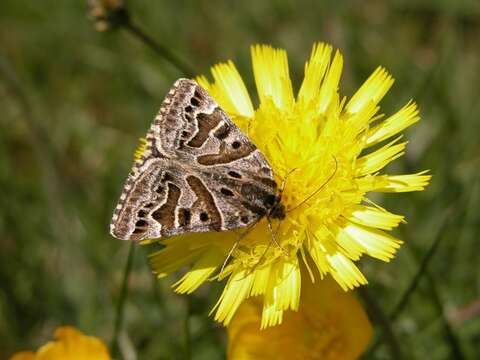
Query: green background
<point>74,102</point>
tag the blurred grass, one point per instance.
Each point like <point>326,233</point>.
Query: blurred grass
<point>65,153</point>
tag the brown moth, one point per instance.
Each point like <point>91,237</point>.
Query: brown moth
<point>198,173</point>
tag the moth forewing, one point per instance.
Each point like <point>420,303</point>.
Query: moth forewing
<point>198,172</point>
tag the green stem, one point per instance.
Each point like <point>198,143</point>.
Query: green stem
<point>456,351</point>
<point>422,269</point>
<point>121,300</point>
<point>419,275</point>
<point>379,317</point>
<point>186,328</point>
<point>160,49</point>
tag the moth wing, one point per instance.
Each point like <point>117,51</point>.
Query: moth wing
<point>198,173</point>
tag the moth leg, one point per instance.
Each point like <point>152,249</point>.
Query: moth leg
<point>235,245</point>
<point>274,241</point>
<point>274,236</point>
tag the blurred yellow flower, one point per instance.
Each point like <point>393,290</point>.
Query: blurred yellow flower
<point>70,344</point>
<point>330,325</point>
<point>336,150</point>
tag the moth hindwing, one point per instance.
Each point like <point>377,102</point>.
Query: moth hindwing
<point>198,172</point>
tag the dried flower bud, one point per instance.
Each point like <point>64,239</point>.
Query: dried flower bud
<point>107,14</point>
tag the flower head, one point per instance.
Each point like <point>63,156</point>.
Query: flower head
<point>70,344</point>
<point>329,153</point>
<point>329,325</point>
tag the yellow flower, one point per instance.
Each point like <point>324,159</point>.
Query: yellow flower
<point>329,325</point>
<point>70,344</point>
<point>334,151</point>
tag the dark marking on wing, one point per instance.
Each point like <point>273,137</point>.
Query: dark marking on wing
<point>206,122</point>
<point>184,217</point>
<point>236,144</point>
<point>226,192</point>
<point>235,174</point>
<point>194,102</point>
<point>205,204</point>
<point>225,155</point>
<point>222,132</point>
<point>165,214</point>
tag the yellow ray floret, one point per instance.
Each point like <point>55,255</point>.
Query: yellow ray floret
<point>324,143</point>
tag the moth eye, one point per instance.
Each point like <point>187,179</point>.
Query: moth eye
<point>234,174</point>
<point>236,144</point>
<point>203,216</point>
<point>194,102</point>
<point>244,219</point>
<point>226,192</point>
<point>142,213</point>
<point>140,223</point>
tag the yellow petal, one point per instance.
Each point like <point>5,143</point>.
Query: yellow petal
<point>329,89</point>
<point>405,117</point>
<point>236,290</point>
<point>235,99</point>
<point>282,293</point>
<point>270,68</point>
<point>315,69</point>
<point>140,150</point>
<point>345,272</point>
<point>374,217</point>
<point>179,251</point>
<point>405,183</point>
<point>200,271</point>
<point>380,158</point>
<point>372,90</point>
<point>376,243</point>
<point>260,281</point>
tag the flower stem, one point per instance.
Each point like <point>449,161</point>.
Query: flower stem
<point>377,314</point>
<point>186,328</point>
<point>160,49</point>
<point>121,300</point>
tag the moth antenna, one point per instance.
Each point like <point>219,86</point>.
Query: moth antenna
<point>284,181</point>
<point>316,191</point>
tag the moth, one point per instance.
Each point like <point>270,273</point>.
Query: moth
<point>198,173</point>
